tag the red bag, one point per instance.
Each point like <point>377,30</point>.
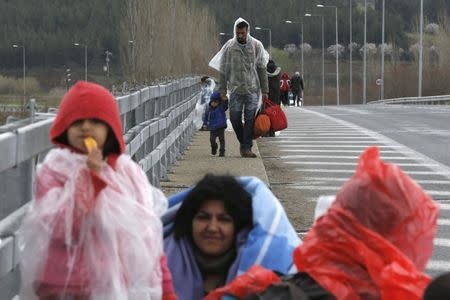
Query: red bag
<point>254,281</point>
<point>261,126</point>
<point>376,238</point>
<point>278,120</point>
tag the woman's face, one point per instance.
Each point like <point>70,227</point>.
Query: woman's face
<point>213,228</point>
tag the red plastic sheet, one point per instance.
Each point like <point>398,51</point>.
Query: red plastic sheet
<point>254,281</point>
<point>376,238</point>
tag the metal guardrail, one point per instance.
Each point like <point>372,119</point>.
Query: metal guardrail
<point>429,100</point>
<point>158,122</point>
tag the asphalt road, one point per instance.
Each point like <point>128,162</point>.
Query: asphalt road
<point>320,149</point>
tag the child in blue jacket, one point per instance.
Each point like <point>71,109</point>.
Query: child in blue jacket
<point>216,121</point>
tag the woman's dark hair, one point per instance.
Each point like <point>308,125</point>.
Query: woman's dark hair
<point>111,143</point>
<point>236,200</point>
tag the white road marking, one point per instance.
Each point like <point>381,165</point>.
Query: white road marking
<point>340,134</point>
<point>352,163</point>
<point>351,157</point>
<point>440,182</point>
<point>441,242</point>
<point>334,151</point>
<point>327,142</point>
<point>438,265</point>
<point>443,222</point>
<point>434,165</point>
<point>351,171</point>
<point>338,146</point>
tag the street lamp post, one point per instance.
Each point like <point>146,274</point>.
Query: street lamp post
<point>365,55</point>
<point>133,65</point>
<point>85,59</point>
<point>270,38</point>
<point>323,56</point>
<point>337,49</point>
<point>108,54</point>
<point>351,55</point>
<point>23,67</point>
<point>382,51</point>
<point>421,49</point>
<point>301,41</point>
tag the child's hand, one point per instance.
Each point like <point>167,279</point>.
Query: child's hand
<point>95,160</point>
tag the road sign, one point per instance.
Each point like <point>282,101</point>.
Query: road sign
<point>379,81</point>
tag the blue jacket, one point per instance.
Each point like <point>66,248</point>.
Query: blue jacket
<point>215,118</point>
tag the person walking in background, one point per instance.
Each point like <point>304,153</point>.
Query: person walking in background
<point>216,122</point>
<point>297,88</point>
<point>273,76</point>
<point>242,65</point>
<point>284,89</point>
<point>207,86</point>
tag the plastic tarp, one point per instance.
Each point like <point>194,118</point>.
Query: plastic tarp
<point>107,246</point>
<point>375,239</point>
<point>221,61</point>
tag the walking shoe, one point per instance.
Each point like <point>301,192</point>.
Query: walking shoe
<point>222,153</point>
<point>213,150</point>
<point>247,153</point>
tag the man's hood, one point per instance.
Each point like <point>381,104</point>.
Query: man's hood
<point>262,58</point>
<point>240,20</point>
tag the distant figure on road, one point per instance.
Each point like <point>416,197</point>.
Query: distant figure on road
<point>242,65</point>
<point>297,88</point>
<point>94,229</point>
<point>273,75</point>
<point>216,122</point>
<point>207,86</point>
<point>284,88</point>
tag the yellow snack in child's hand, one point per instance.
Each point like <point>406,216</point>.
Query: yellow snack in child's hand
<point>90,144</point>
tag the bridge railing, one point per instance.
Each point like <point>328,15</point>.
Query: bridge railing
<point>158,123</point>
<point>428,100</point>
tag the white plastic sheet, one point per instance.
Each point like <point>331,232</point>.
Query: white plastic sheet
<point>200,107</point>
<point>262,58</point>
<point>113,250</point>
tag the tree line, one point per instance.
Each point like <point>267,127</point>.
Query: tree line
<point>401,17</point>
<point>178,36</point>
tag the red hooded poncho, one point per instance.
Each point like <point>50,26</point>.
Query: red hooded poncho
<point>375,240</point>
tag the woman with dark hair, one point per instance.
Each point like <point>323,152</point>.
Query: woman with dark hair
<point>218,232</point>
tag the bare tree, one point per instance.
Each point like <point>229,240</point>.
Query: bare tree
<point>167,38</point>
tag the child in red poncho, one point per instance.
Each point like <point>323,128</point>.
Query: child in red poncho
<point>93,230</point>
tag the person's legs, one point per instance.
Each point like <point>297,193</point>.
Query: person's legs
<point>235,106</point>
<point>293,96</point>
<point>284,98</point>
<point>212,139</point>
<point>250,107</point>
<point>221,135</point>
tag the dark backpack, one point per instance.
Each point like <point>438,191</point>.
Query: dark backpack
<point>294,287</point>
